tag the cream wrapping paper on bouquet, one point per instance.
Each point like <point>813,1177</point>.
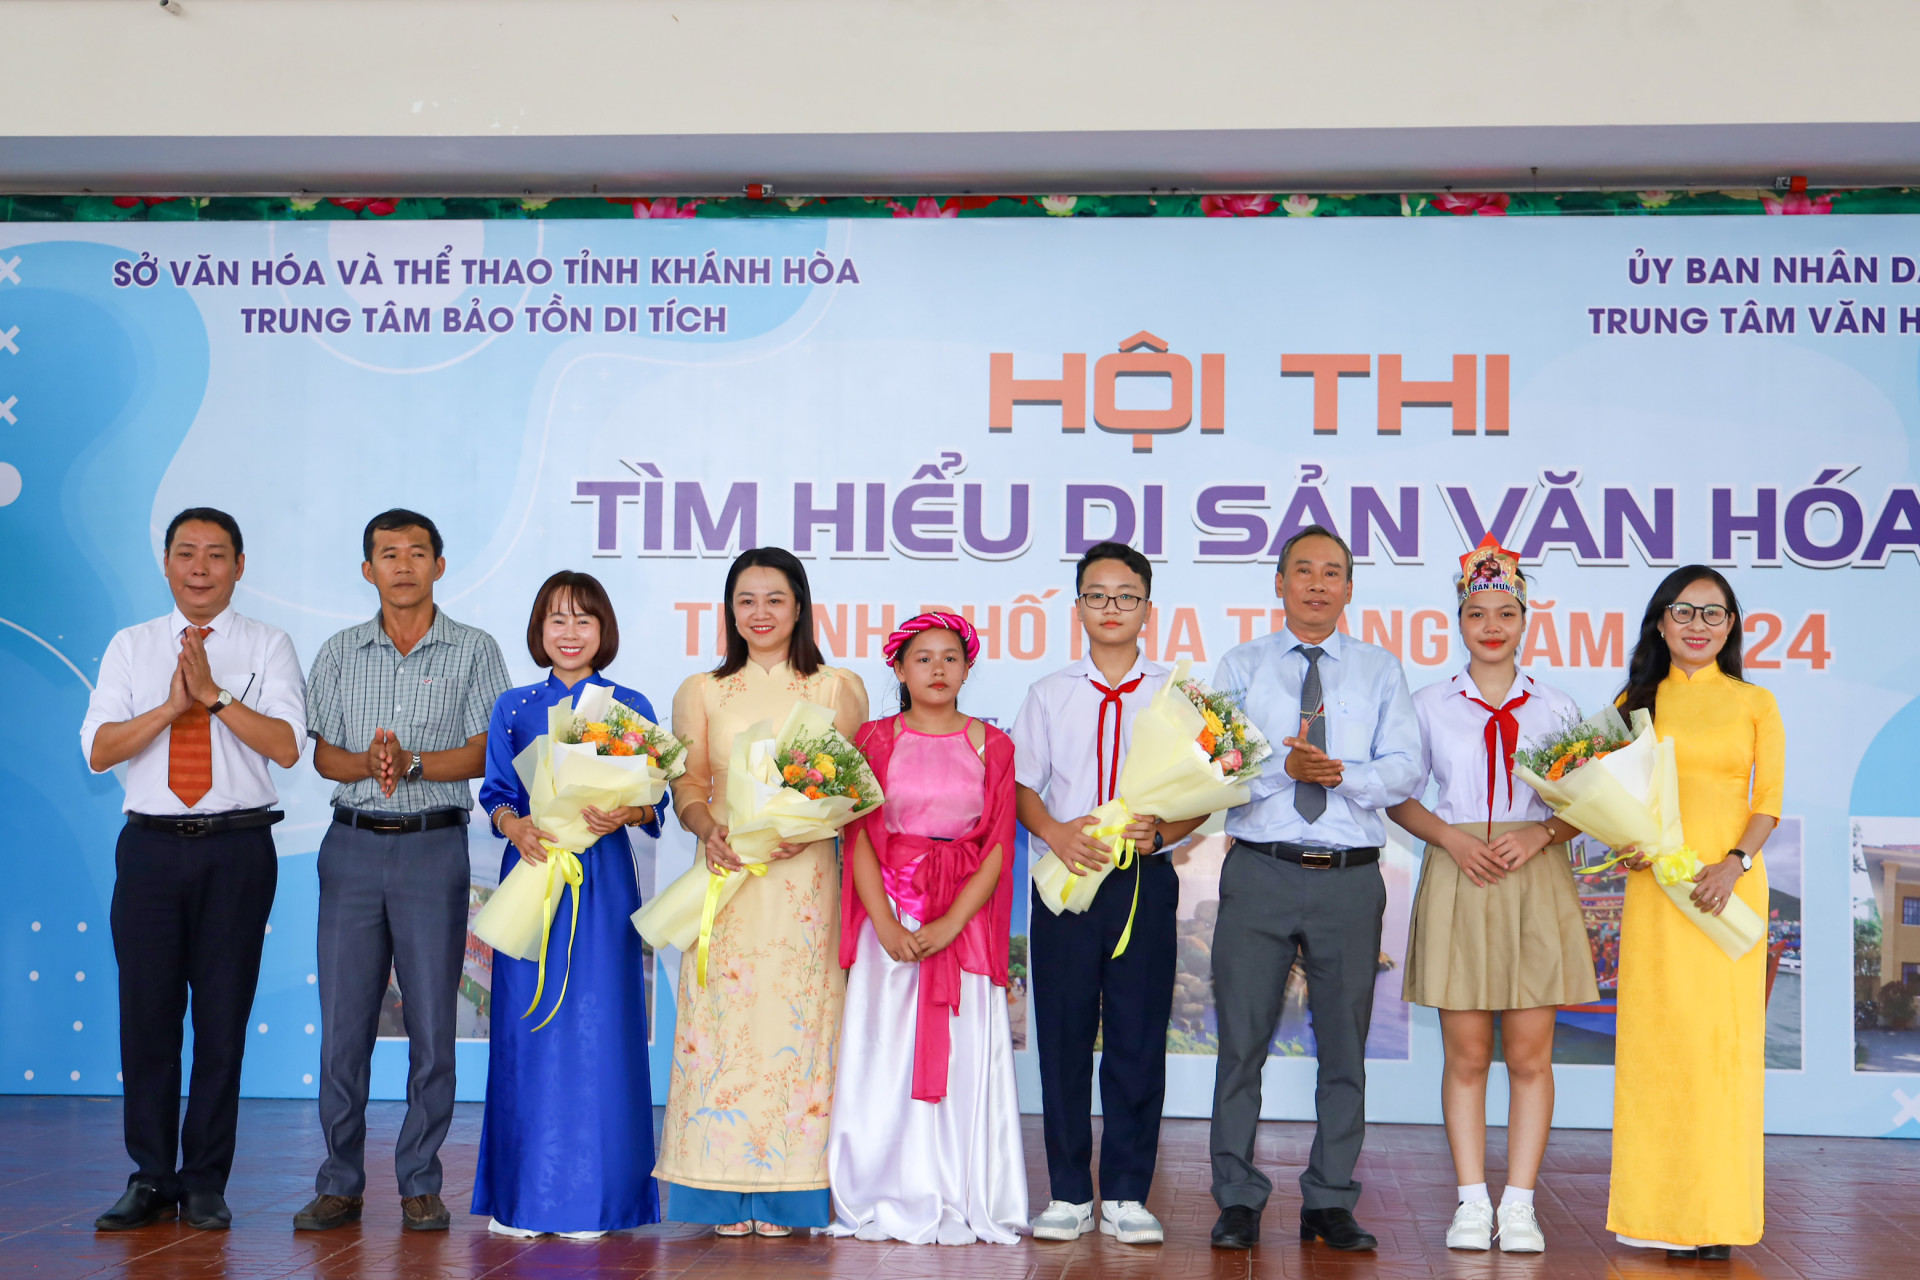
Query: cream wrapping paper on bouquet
<point>561,779</point>
<point>1632,797</point>
<point>1168,774</point>
<point>762,814</point>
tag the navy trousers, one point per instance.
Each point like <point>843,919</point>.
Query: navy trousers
<point>1079,993</point>
<point>189,916</point>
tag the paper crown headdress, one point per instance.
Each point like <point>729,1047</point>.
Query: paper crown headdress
<point>1491,567</point>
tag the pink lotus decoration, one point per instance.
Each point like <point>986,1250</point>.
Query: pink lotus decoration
<point>1465,202</point>
<point>664,207</point>
<point>1795,203</point>
<point>1248,206</point>
<point>924,207</point>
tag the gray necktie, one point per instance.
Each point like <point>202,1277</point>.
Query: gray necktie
<point>1310,798</point>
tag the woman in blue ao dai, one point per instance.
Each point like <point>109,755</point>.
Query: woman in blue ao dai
<point>566,1143</point>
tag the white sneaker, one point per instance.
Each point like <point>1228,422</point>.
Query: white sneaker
<point>499,1228</point>
<point>1472,1226</point>
<point>1129,1222</point>
<point>1063,1221</point>
<point>579,1235</point>
<point>1519,1230</point>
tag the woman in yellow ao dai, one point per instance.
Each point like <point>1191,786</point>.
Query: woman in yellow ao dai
<point>744,1143</point>
<point>1690,1074</point>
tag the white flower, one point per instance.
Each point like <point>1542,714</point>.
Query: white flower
<point>1059,206</point>
<point>1299,206</point>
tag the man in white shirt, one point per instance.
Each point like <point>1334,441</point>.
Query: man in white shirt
<point>194,704</point>
<point>1302,879</point>
<point>1070,740</point>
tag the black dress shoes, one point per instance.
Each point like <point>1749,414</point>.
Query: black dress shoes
<point>1238,1228</point>
<point>206,1210</point>
<point>1336,1227</point>
<point>143,1205</point>
<point>1705,1253</point>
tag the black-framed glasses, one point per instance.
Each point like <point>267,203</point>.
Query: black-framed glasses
<point>1713,615</point>
<point>1127,602</point>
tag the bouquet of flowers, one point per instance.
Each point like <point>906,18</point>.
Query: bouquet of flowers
<point>1576,745</point>
<point>1229,738</point>
<point>598,753</point>
<point>1192,753</point>
<point>796,786</point>
<point>622,731</point>
<point>1622,787</point>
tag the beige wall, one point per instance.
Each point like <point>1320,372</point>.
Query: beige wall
<point>415,68</point>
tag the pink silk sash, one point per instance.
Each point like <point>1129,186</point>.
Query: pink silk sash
<point>923,876</point>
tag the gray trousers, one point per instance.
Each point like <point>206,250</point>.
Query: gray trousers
<point>389,903</point>
<point>1271,911</point>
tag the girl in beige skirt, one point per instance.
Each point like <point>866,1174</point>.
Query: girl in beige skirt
<point>1496,930</point>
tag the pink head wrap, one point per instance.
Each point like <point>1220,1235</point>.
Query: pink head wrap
<point>969,638</point>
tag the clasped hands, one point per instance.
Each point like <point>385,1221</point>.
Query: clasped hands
<point>1082,852</point>
<point>1487,862</point>
<point>908,946</point>
<point>192,677</point>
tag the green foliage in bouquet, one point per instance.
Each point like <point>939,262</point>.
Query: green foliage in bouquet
<point>829,765</point>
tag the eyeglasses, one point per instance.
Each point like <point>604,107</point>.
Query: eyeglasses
<point>1713,615</point>
<point>1098,600</point>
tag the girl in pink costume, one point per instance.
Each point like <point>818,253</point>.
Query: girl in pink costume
<point>925,1143</point>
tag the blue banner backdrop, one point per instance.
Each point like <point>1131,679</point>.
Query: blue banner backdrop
<point>941,412</point>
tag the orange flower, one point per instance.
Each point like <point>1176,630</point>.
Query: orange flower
<point>596,732</point>
<point>813,793</point>
<point>1207,741</point>
<point>618,748</point>
<point>1560,766</point>
<point>853,796</point>
<point>792,773</point>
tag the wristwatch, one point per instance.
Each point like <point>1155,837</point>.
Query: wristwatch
<point>1746,859</point>
<point>221,703</point>
<point>1159,842</point>
<point>415,769</point>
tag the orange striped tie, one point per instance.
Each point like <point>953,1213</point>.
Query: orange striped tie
<point>190,751</point>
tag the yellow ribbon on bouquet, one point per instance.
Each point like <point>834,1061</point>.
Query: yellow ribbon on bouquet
<point>566,866</point>
<point>1122,859</point>
<point>1669,867</point>
<point>717,881</point>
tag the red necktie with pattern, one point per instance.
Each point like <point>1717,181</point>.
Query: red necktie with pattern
<point>190,750</point>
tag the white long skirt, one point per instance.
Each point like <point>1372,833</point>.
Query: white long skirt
<point>950,1172</point>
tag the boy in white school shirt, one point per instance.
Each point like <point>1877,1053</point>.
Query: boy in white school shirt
<point>1070,739</point>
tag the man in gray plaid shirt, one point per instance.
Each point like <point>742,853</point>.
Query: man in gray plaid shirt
<point>398,710</point>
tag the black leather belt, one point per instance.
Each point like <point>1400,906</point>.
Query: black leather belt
<point>1310,857</point>
<point>205,824</point>
<point>394,824</point>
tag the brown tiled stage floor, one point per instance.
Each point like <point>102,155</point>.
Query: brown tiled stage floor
<point>1835,1208</point>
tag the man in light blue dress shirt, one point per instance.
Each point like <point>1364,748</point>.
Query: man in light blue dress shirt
<point>1302,879</point>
